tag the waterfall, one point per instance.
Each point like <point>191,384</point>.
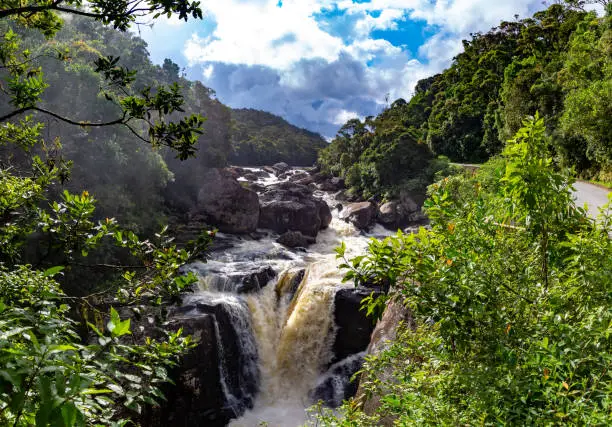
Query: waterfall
<point>239,374</point>
<point>294,339</point>
<point>281,328</point>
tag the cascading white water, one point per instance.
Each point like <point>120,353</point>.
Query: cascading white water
<point>294,345</point>
<point>293,329</point>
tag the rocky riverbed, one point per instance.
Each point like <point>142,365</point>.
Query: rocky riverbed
<point>277,328</point>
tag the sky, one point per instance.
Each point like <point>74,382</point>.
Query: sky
<point>318,63</point>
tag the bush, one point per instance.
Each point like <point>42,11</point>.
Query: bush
<point>511,293</point>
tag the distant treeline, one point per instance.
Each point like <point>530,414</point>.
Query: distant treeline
<point>260,138</point>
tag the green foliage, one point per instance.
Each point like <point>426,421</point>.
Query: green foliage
<point>382,156</point>
<point>53,370</point>
<point>557,62</point>
<point>510,292</point>
<point>260,138</point>
<point>48,377</point>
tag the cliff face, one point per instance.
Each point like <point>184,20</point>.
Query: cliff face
<point>395,317</point>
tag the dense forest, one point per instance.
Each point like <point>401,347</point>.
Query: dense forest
<point>155,181</point>
<point>260,138</point>
<point>506,293</point>
<point>557,63</point>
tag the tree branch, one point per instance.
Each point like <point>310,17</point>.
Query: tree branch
<point>63,119</point>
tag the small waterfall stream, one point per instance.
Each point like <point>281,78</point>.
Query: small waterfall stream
<point>286,329</point>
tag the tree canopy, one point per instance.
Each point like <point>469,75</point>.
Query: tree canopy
<point>556,62</point>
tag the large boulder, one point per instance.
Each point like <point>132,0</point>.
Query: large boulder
<point>281,167</point>
<point>337,384</point>
<point>256,280</point>
<point>400,213</point>
<point>298,176</point>
<point>251,177</point>
<point>216,380</point>
<point>292,207</point>
<point>396,315</point>
<point>295,239</point>
<point>353,327</point>
<point>361,215</point>
<point>270,170</point>
<point>319,177</point>
<point>332,184</point>
<point>226,204</point>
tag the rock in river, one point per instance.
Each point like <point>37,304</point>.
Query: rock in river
<point>226,204</point>
<point>292,207</point>
<point>361,215</point>
<point>295,239</point>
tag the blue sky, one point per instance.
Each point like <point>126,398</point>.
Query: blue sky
<point>318,63</point>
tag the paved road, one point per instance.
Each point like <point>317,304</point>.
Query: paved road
<point>594,196</point>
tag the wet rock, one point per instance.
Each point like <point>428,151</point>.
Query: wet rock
<point>294,239</point>
<point>298,175</point>
<point>325,186</point>
<point>217,379</point>
<point>281,167</point>
<point>361,215</point>
<point>394,317</point>
<point>319,177</point>
<point>258,188</point>
<point>236,171</point>
<point>305,181</point>
<point>289,282</point>
<point>338,182</point>
<point>313,169</point>
<point>270,170</point>
<point>255,281</point>
<point>260,173</point>
<point>251,177</point>
<point>388,213</point>
<point>288,206</point>
<point>400,213</point>
<point>335,385</point>
<point>418,218</point>
<point>324,213</point>
<point>226,204</point>
<point>353,326</point>
<point>332,184</point>
<point>196,398</point>
<point>339,206</point>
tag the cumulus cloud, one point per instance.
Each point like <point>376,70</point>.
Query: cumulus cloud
<point>319,62</point>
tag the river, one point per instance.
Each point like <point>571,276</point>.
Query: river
<point>286,329</point>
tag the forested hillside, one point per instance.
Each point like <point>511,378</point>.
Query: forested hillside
<point>260,138</point>
<point>136,183</point>
<point>557,63</point>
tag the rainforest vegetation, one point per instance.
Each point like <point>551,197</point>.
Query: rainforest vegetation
<point>510,296</point>
<point>260,138</point>
<point>557,63</point>
<point>509,288</point>
<point>66,357</point>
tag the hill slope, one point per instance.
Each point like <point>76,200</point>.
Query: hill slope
<point>260,138</point>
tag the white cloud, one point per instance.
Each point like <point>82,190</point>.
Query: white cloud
<point>343,116</point>
<point>249,33</point>
<point>286,60</point>
<point>387,20</point>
